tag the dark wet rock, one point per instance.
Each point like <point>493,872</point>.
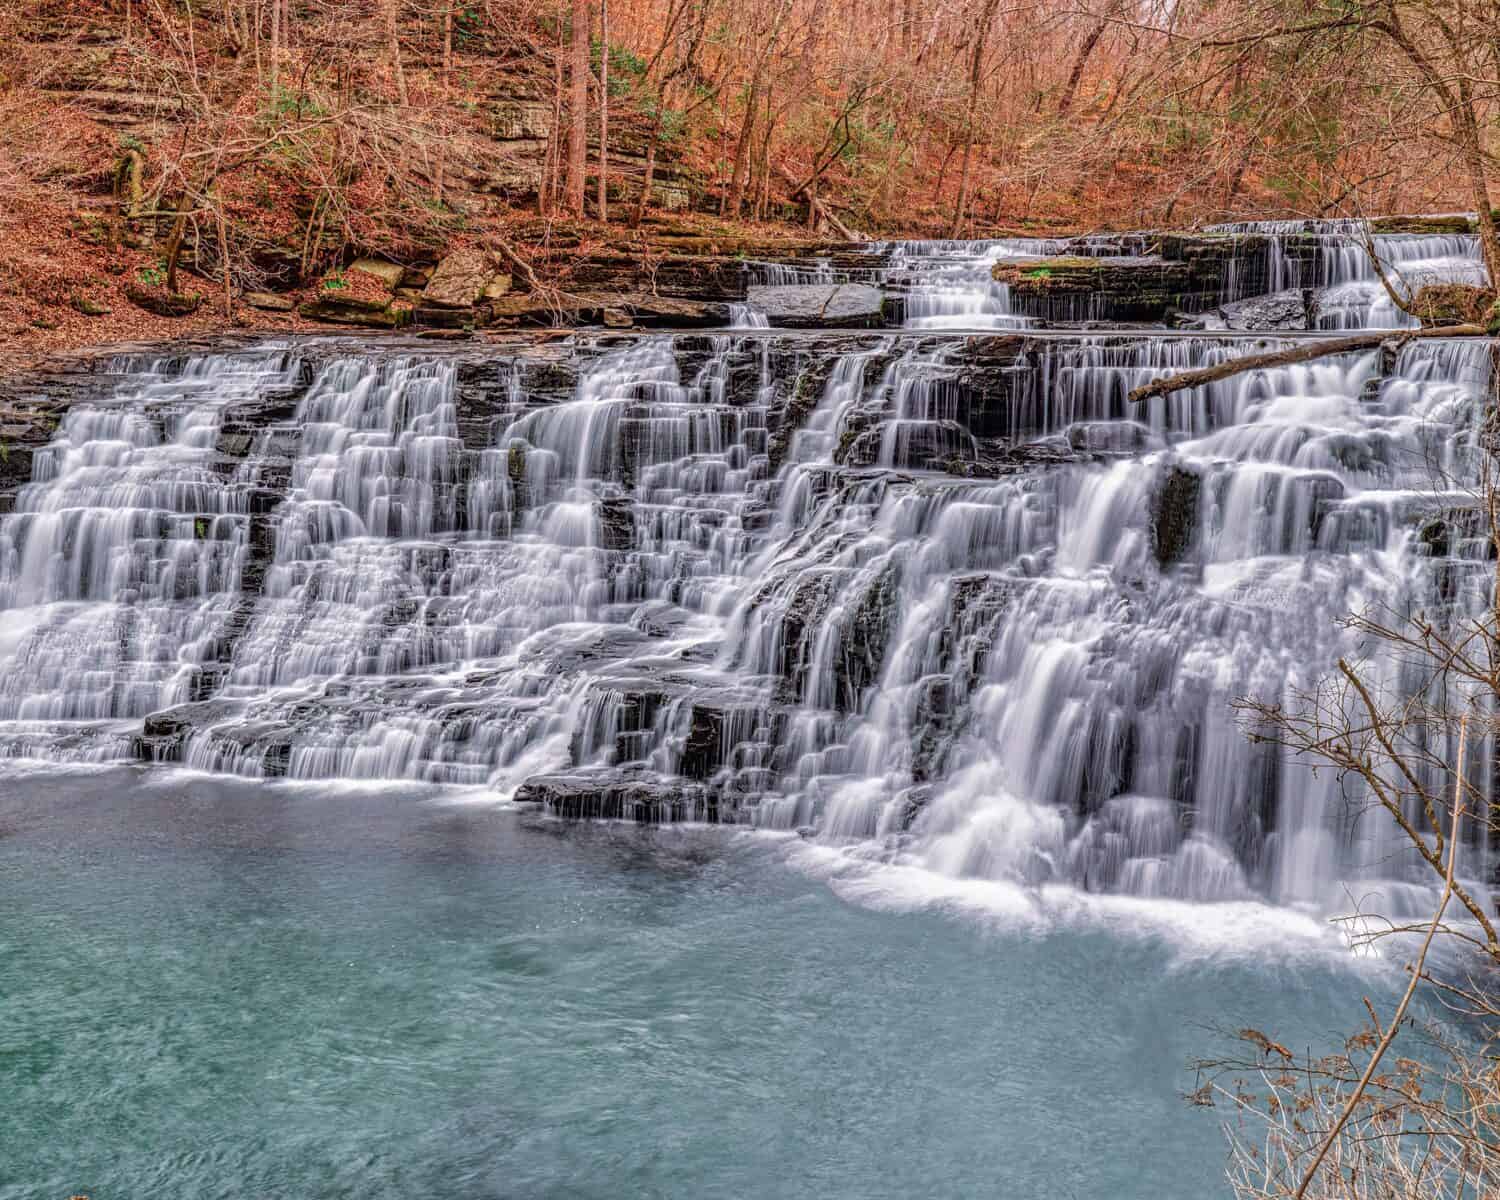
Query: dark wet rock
<point>912,801</point>
<point>619,796</point>
<point>1463,543</point>
<point>1294,309</point>
<point>1174,514</point>
<point>911,445</point>
<point>617,524</point>
<point>164,735</point>
<point>808,306</point>
<point>792,413</point>
<point>995,377</point>
<point>704,749</point>
<point>1111,437</point>
<point>995,458</point>
<point>866,638</point>
<point>1072,289</point>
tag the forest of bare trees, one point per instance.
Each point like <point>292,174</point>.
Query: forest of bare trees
<point>282,137</point>
<point>953,117</point>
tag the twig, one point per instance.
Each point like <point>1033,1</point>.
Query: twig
<point>1416,974</point>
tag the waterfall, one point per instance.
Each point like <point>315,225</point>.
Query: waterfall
<point>949,284</point>
<point>949,602</point>
<point>1334,257</point>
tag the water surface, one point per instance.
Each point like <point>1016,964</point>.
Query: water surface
<point>221,988</point>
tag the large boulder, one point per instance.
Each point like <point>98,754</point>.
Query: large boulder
<point>1290,310</point>
<point>807,306</point>
<point>459,280</point>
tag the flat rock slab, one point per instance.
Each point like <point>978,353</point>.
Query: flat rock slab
<point>269,301</point>
<point>387,272</point>
<point>807,306</point>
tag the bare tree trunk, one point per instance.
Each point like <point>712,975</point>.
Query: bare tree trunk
<point>442,162</point>
<point>1473,153</point>
<point>578,109</point>
<point>735,197</point>
<point>645,198</point>
<point>275,46</point>
<point>224,266</point>
<point>175,240</point>
<point>549,193</point>
<point>762,197</point>
<point>604,110</point>
<point>976,76</point>
<point>1065,102</point>
<point>393,47</point>
<point>963,180</point>
<point>255,39</point>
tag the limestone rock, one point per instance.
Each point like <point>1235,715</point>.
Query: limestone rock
<point>391,316</point>
<point>269,301</point>
<point>1073,289</point>
<point>164,734</point>
<point>388,273</point>
<point>1290,310</point>
<point>459,280</point>
<point>803,306</point>
<point>162,302</point>
<point>496,287</point>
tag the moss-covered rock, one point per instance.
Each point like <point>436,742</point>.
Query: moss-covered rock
<point>162,302</point>
<point>1075,289</point>
<point>1454,304</point>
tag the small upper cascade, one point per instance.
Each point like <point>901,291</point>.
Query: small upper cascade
<point>950,284</point>
<point>1347,260</point>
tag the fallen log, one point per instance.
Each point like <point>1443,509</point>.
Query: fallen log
<point>1282,358</point>
<point>818,207</point>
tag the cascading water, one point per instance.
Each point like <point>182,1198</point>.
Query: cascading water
<point>945,602</point>
<point>1336,258</point>
<point>949,285</point>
